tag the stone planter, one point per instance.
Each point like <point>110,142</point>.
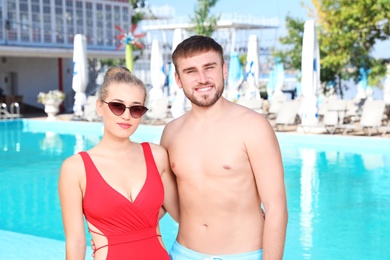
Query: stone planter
<point>52,107</point>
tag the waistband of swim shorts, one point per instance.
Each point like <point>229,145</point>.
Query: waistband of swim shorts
<point>181,252</point>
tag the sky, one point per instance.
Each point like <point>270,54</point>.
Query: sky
<point>256,8</point>
<point>260,8</point>
<point>266,8</point>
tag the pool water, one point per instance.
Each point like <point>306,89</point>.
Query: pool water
<point>337,189</point>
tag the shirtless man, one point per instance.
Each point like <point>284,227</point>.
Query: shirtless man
<point>227,162</point>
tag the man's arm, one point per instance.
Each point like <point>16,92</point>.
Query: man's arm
<point>266,161</point>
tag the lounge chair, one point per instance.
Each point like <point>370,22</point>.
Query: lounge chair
<point>371,118</point>
<point>332,116</point>
<point>252,103</point>
<point>287,115</point>
<point>158,110</point>
<point>385,128</point>
<point>90,109</point>
<point>323,106</point>
<point>275,106</point>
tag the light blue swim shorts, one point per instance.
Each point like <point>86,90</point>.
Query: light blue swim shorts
<point>179,252</point>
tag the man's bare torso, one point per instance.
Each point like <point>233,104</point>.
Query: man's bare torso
<point>219,201</point>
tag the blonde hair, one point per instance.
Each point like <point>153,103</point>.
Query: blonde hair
<point>119,75</point>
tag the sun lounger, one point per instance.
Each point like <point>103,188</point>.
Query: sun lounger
<point>252,103</point>
<point>287,115</point>
<point>371,118</point>
<point>333,116</point>
<point>158,110</point>
<point>385,129</point>
<point>275,105</point>
<point>90,109</point>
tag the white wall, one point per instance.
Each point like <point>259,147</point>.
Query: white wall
<point>34,75</point>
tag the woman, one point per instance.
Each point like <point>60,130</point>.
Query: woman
<point>121,187</point>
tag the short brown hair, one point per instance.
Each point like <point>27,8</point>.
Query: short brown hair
<point>194,45</point>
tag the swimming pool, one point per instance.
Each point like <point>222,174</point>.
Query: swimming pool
<point>337,189</point>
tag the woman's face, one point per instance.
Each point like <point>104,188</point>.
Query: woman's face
<point>125,124</point>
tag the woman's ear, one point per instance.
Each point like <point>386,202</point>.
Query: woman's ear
<point>99,104</point>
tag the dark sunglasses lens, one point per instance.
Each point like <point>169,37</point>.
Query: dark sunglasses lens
<point>117,108</point>
<point>137,111</point>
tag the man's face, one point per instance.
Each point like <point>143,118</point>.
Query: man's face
<point>202,78</point>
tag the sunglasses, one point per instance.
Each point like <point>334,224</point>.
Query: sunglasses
<point>119,108</point>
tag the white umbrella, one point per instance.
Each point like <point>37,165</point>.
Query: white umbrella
<point>252,67</point>
<point>178,104</point>
<point>362,84</point>
<point>235,76</point>
<point>310,82</point>
<point>279,77</point>
<point>157,75</point>
<point>177,38</point>
<point>271,83</point>
<point>386,89</point>
<point>80,74</point>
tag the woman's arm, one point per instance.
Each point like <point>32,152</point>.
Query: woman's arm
<point>70,193</point>
<point>171,198</point>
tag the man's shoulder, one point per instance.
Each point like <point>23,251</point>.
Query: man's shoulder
<point>246,114</point>
<point>171,130</point>
<point>173,124</point>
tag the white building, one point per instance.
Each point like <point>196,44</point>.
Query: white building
<point>36,43</point>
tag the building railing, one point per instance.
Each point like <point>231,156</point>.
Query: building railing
<point>53,24</point>
<point>232,18</point>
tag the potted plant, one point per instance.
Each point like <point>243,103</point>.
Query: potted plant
<point>52,101</point>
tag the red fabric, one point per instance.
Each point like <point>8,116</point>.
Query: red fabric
<point>130,227</point>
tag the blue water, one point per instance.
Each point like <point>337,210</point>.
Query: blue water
<point>337,187</point>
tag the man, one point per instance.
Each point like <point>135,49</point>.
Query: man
<point>227,162</point>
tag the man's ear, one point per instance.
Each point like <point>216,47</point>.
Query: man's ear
<point>178,81</point>
<point>225,71</point>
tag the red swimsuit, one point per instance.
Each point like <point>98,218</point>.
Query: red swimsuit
<point>130,227</point>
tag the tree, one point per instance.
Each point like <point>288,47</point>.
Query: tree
<point>292,57</point>
<point>205,23</point>
<point>348,33</point>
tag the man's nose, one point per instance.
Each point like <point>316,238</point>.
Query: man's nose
<point>202,77</point>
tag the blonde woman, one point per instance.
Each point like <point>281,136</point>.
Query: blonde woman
<point>121,187</point>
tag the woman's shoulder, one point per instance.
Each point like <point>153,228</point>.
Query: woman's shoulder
<point>157,149</point>
<point>73,162</point>
<point>160,155</point>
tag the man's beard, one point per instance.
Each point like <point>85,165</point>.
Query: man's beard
<point>204,100</point>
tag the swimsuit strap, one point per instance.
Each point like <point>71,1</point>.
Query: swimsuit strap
<point>146,234</point>
<point>98,233</point>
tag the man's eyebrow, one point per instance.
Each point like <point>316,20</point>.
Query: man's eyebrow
<point>204,65</point>
<point>209,64</point>
<point>188,69</point>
